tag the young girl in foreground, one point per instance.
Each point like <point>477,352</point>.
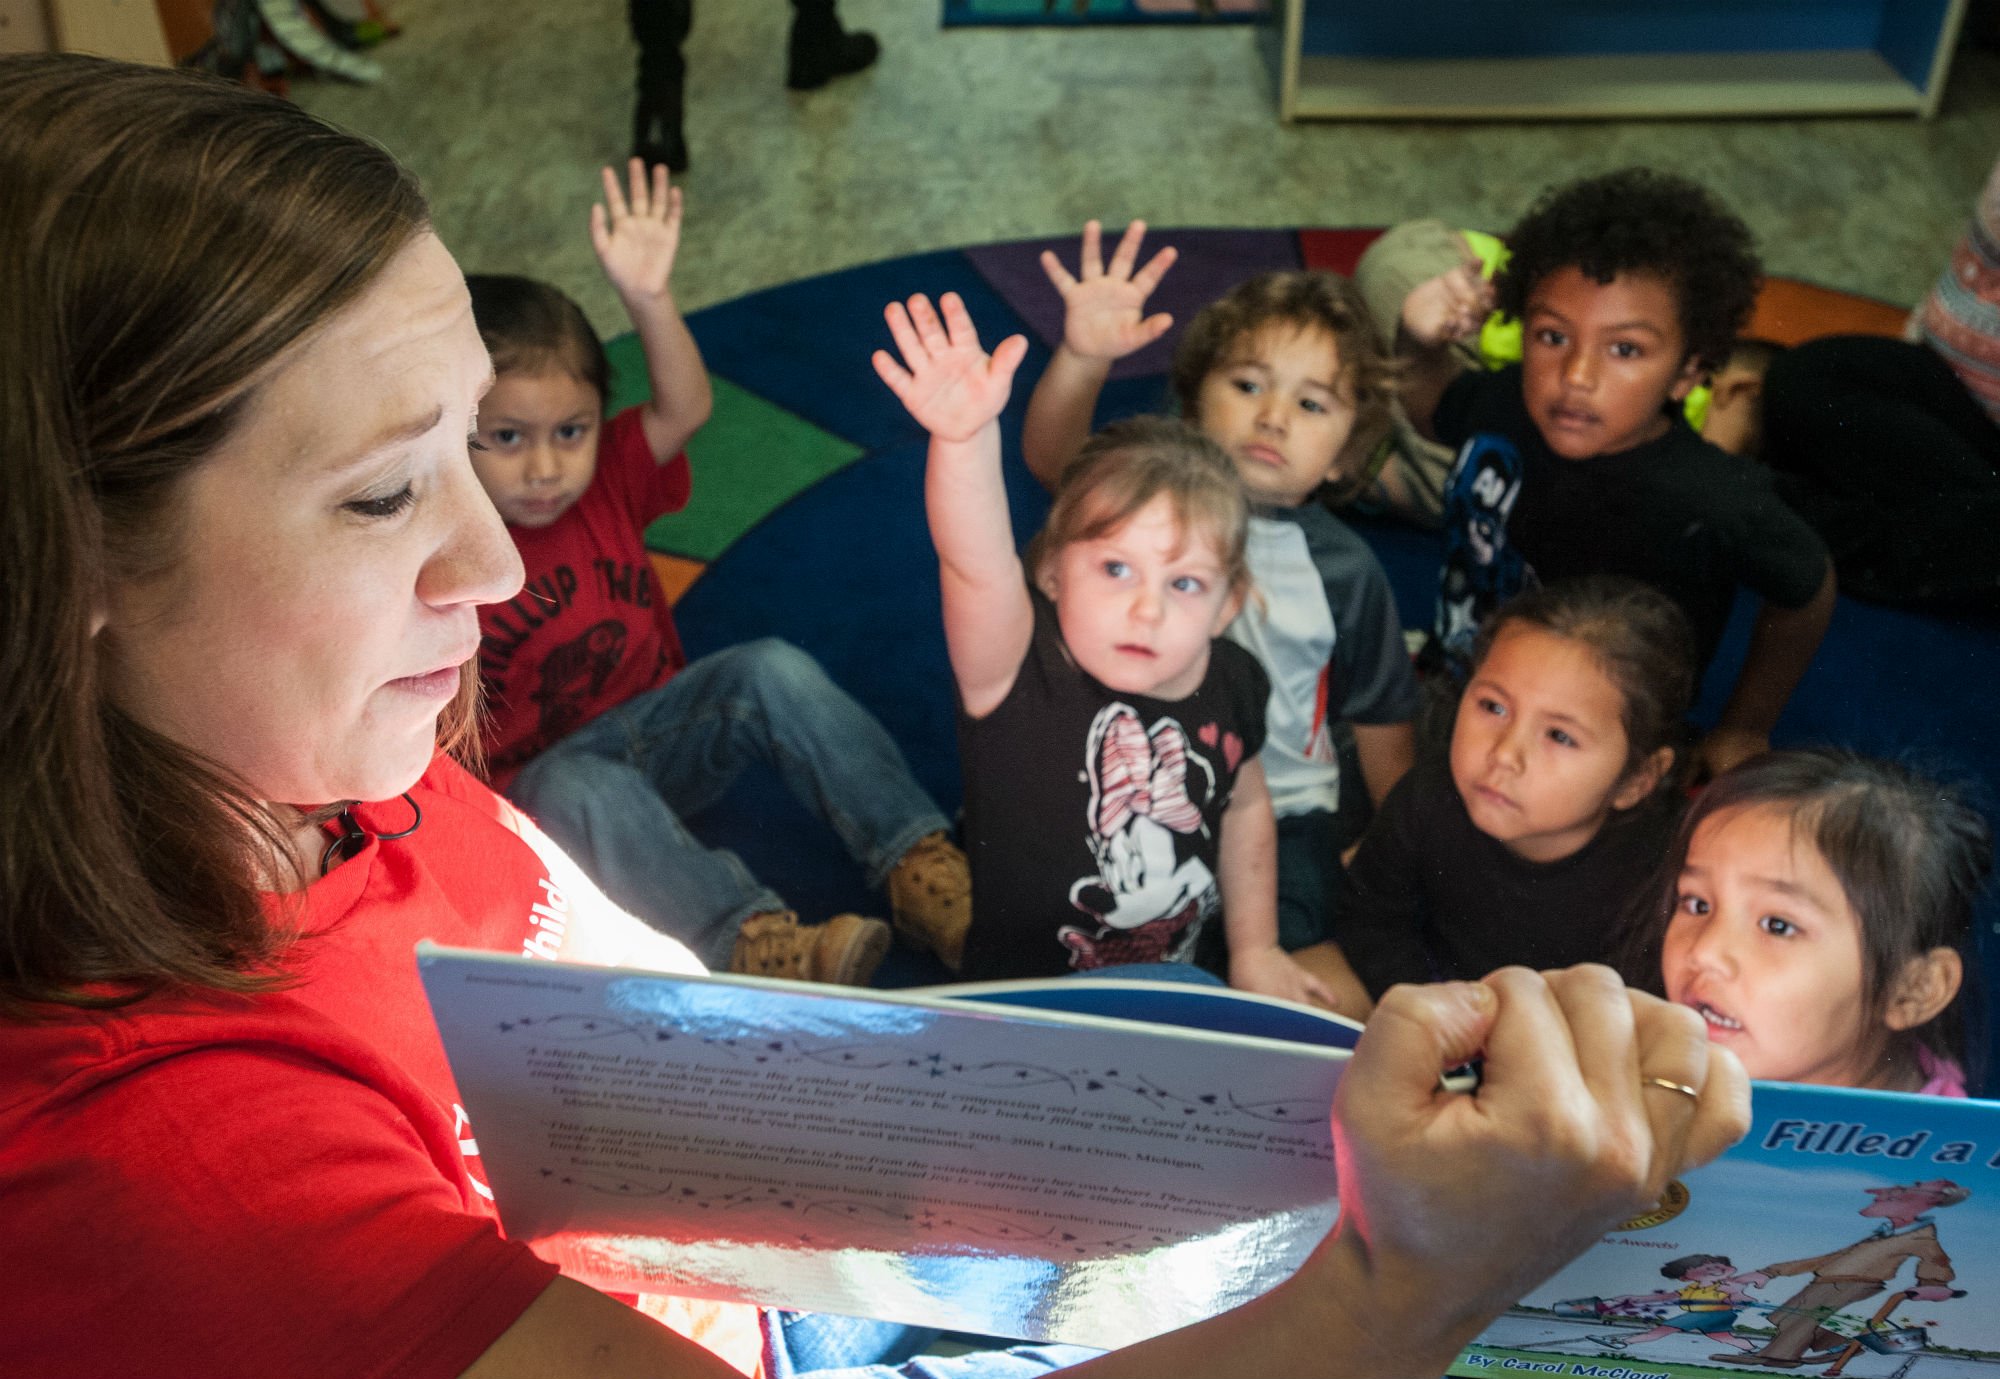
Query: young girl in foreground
<point>1113,797</point>
<point>1549,817</point>
<point>1813,912</point>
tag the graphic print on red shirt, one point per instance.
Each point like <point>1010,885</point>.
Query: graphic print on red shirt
<point>591,628</point>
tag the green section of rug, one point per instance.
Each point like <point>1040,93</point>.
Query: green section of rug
<point>749,459</point>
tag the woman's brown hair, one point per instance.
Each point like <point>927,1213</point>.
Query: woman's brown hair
<point>165,239</point>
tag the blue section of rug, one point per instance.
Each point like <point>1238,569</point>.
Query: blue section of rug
<point>846,571</point>
<point>806,346</point>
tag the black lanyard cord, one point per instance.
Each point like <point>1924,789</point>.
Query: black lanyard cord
<point>353,837</point>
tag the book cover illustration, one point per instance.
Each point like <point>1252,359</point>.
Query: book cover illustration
<point>1033,1173</point>
<point>1850,1233</point>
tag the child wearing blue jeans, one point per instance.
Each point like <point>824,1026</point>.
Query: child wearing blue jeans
<point>598,726</point>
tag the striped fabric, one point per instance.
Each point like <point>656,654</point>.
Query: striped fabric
<point>1961,317</point>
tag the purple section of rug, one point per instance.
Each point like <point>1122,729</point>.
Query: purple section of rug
<point>1211,262</point>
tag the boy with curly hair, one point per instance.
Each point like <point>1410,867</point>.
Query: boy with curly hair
<point>1630,288</point>
<point>1285,374</point>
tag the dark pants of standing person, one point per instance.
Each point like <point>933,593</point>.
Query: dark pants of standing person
<point>1878,445</point>
<point>817,51</point>
<point>660,27</point>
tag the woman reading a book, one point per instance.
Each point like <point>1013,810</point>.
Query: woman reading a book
<point>243,550</point>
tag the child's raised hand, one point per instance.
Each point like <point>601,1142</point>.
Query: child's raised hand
<point>636,238</point>
<point>1452,306</point>
<point>1104,310</point>
<point>951,386</point>
<point>1272,972</point>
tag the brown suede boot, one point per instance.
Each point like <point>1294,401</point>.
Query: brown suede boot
<point>844,951</point>
<point>930,898</point>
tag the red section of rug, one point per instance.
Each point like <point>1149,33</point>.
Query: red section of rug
<point>1788,311</point>
<point>1336,251</point>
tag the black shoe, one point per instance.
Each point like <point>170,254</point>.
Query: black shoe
<point>655,140</point>
<point>812,64</point>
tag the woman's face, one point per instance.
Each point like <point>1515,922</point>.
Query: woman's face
<point>331,557</point>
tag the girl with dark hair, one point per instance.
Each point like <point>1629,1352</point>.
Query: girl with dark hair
<point>1814,910</point>
<point>1554,805</point>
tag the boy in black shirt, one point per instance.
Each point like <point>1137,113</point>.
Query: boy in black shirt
<point>1630,288</point>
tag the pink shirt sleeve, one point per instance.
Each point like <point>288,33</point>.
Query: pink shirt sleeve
<point>1942,1076</point>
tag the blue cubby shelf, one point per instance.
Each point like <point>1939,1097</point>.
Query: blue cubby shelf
<point>1584,59</point>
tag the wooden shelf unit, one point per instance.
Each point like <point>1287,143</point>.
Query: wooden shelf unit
<point>1609,59</point>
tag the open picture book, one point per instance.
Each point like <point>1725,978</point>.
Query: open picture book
<point>1097,1162</point>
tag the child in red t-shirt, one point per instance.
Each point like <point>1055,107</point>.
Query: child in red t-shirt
<point>597,725</point>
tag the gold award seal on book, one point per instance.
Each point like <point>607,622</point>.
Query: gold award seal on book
<point>1671,1204</point>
